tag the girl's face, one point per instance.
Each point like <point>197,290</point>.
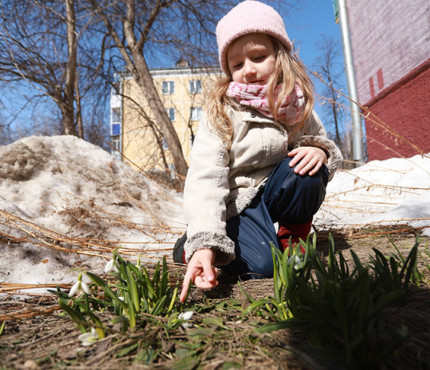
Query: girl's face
<point>251,59</point>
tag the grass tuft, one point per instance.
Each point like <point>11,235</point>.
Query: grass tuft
<point>340,308</point>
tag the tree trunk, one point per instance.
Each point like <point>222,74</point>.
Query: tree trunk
<point>67,108</point>
<point>132,52</point>
<point>79,123</point>
<point>146,84</point>
<point>333,107</point>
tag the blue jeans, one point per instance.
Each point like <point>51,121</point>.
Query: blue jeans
<point>286,197</point>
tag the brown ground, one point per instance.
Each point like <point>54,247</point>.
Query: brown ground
<point>50,340</point>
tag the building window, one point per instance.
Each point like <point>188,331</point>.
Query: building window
<point>115,121</point>
<point>165,145</point>
<point>195,86</point>
<point>116,144</point>
<point>171,113</point>
<point>172,170</point>
<point>116,147</point>
<point>196,114</point>
<point>116,88</point>
<point>116,115</point>
<point>168,87</point>
<point>116,129</point>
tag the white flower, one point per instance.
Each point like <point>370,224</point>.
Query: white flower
<point>187,325</point>
<point>186,316</point>
<point>296,261</point>
<point>109,266</point>
<point>88,339</point>
<point>74,289</point>
<point>79,285</point>
<point>85,287</point>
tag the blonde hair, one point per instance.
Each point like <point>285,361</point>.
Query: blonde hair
<point>288,71</point>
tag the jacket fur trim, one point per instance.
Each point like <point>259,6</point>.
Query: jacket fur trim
<point>333,153</point>
<point>223,245</point>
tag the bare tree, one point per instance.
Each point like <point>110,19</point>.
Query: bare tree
<point>134,25</point>
<point>70,84</point>
<point>68,50</point>
<point>184,28</point>
<point>4,132</point>
<point>329,66</point>
<point>39,47</point>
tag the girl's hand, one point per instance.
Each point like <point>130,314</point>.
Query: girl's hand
<point>200,272</point>
<point>308,159</point>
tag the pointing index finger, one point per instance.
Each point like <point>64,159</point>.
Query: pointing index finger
<point>185,287</point>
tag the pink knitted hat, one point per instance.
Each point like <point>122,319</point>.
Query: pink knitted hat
<point>245,18</point>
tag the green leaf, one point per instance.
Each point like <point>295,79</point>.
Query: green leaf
<point>172,301</point>
<point>159,306</point>
<point>76,316</point>
<point>131,313</point>
<point>152,295</point>
<point>101,283</point>
<point>410,266</point>
<point>256,304</point>
<point>156,280</point>
<point>285,324</point>
<point>132,288</point>
<point>247,295</point>
<point>164,277</point>
<point>200,332</point>
<point>214,321</point>
<point>388,299</point>
<point>125,351</point>
<point>399,254</point>
<point>230,365</point>
<point>124,321</point>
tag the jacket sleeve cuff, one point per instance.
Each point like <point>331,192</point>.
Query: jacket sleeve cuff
<point>334,156</point>
<point>222,244</point>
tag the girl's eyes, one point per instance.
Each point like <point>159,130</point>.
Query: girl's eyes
<point>260,58</point>
<point>257,59</point>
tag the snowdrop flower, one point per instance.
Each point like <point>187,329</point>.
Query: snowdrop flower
<point>296,261</point>
<point>109,266</point>
<point>186,316</point>
<point>90,338</point>
<point>79,285</point>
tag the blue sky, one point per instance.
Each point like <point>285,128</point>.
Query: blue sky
<point>305,25</point>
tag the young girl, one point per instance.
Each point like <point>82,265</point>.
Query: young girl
<point>261,155</point>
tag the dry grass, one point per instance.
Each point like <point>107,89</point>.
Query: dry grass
<point>37,335</point>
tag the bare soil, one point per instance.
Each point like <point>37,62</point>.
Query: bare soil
<point>45,338</point>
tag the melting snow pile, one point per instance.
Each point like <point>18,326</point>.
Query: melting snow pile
<point>381,192</point>
<point>64,186</point>
<point>65,203</point>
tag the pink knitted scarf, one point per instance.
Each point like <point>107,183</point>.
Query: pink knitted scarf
<point>255,96</point>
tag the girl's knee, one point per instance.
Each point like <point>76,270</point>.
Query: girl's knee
<point>316,182</point>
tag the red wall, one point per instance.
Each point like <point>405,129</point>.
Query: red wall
<point>403,127</point>
<point>391,47</point>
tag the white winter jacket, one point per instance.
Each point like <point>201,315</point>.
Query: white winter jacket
<point>222,182</point>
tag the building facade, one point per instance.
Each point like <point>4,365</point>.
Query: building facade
<point>136,137</point>
<point>391,48</point>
